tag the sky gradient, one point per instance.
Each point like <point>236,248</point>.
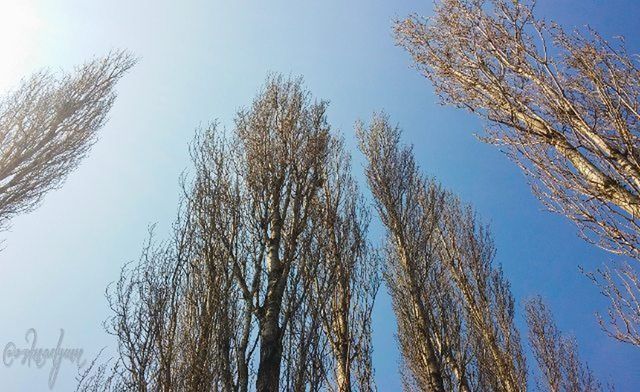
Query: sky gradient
<point>202,60</point>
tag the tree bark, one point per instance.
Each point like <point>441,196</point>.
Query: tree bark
<point>270,359</point>
<point>270,330</point>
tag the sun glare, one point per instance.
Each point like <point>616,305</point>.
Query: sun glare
<point>18,24</point>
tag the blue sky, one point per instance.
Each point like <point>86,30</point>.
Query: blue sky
<point>200,61</point>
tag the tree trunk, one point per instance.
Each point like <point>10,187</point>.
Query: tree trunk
<point>270,359</point>
<point>344,377</point>
<point>341,329</point>
<point>270,330</point>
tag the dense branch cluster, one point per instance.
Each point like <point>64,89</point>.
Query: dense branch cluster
<point>564,106</point>
<point>269,280</point>
<point>454,307</point>
<point>47,125</point>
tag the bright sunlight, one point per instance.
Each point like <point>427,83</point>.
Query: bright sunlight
<point>18,24</point>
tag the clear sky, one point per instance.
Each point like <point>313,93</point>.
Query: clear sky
<point>200,61</point>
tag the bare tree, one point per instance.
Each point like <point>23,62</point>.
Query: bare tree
<point>48,124</point>
<point>393,180</point>
<point>556,354</point>
<point>454,308</point>
<point>143,307</point>
<point>564,106</point>
<point>178,315</point>
<point>284,140</point>
<point>350,275</point>
<point>268,280</point>
<point>223,314</point>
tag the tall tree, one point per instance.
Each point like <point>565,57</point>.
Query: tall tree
<point>351,274</point>
<point>284,140</point>
<point>565,106</point>
<point>269,280</point>
<point>454,308</point>
<point>48,124</point>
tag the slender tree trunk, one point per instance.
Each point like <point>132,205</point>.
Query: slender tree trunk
<point>243,368</point>
<point>341,328</point>
<point>343,368</point>
<point>270,330</point>
<point>434,376</point>
<point>344,376</point>
<point>270,358</point>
